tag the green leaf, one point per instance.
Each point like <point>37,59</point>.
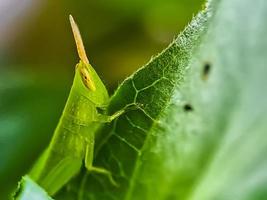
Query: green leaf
<point>202,131</point>
<point>27,102</point>
<point>29,190</point>
<point>123,144</point>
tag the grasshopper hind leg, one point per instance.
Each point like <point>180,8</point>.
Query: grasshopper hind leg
<point>105,172</point>
<point>89,154</point>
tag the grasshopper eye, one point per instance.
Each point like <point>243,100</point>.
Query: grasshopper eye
<point>86,78</point>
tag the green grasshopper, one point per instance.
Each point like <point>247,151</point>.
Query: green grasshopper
<point>73,139</point>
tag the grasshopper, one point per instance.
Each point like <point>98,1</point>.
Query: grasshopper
<point>73,141</point>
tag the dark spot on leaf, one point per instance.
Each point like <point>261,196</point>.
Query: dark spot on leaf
<point>206,71</point>
<point>188,108</point>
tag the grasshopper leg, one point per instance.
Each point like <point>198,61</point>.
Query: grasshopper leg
<point>89,164</point>
<point>104,172</point>
<point>109,118</point>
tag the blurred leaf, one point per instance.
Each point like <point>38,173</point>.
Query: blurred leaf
<point>29,190</point>
<point>30,106</point>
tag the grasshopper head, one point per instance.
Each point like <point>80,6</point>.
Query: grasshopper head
<point>86,79</point>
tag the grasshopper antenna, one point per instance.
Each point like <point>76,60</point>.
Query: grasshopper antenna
<point>78,40</point>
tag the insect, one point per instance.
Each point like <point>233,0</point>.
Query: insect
<point>73,139</point>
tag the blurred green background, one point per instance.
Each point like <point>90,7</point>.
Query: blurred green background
<point>38,55</point>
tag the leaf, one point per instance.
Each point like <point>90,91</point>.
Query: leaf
<point>232,103</point>
<point>201,133</point>
<point>27,102</point>
<point>29,190</point>
<point>122,145</point>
